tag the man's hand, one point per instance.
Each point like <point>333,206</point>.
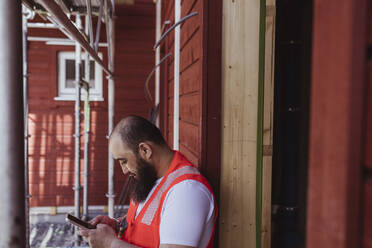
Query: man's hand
<point>103,219</point>
<point>101,237</point>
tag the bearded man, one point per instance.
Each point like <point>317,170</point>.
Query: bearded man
<point>172,204</point>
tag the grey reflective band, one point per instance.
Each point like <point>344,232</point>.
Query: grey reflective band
<point>154,204</point>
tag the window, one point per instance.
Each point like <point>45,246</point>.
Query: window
<point>66,78</point>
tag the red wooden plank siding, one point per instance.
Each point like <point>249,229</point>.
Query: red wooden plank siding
<point>367,214</point>
<point>52,122</point>
<point>190,78</point>
<point>336,121</point>
<point>200,85</point>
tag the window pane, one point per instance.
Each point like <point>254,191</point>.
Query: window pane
<point>70,73</point>
<point>70,83</point>
<point>92,73</point>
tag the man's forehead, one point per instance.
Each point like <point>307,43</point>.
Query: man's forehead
<point>116,143</point>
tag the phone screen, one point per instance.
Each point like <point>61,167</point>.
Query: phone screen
<point>78,222</point>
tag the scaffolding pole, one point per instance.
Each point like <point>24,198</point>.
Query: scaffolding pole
<point>62,20</point>
<point>25,116</point>
<point>77,128</point>
<point>12,183</point>
<point>157,57</point>
<point>111,92</point>
<point>177,41</point>
<point>89,33</point>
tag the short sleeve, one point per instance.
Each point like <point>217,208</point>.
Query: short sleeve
<point>187,215</point>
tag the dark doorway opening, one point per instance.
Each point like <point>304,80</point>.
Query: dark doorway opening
<point>291,122</point>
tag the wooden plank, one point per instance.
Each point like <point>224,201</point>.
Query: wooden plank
<point>367,215</point>
<point>189,136</point>
<point>268,124</point>
<point>191,52</point>
<point>368,148</point>
<point>191,79</point>
<point>189,27</point>
<point>210,131</point>
<point>336,121</point>
<point>240,52</point>
<point>190,108</point>
<point>190,155</point>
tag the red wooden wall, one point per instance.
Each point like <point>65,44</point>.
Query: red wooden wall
<point>200,84</point>
<point>51,122</point>
<point>367,184</point>
<point>191,79</point>
<point>335,215</point>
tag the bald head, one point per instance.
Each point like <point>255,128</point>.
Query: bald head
<point>133,130</point>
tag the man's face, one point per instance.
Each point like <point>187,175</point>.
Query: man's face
<point>143,172</point>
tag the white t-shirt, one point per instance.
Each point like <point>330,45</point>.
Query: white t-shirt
<point>194,226</point>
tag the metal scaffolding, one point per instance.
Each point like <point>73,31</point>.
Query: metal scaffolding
<point>59,17</point>
<point>12,197</point>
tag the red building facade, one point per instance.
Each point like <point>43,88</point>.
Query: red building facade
<point>52,122</point>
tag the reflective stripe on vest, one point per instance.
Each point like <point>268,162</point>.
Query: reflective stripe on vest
<point>154,205</point>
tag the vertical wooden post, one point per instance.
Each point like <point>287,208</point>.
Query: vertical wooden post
<point>268,124</point>
<point>240,68</point>
<point>336,121</point>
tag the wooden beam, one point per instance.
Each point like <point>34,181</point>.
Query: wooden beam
<point>127,2</point>
<point>211,96</point>
<point>336,121</point>
<point>268,124</point>
<point>240,67</point>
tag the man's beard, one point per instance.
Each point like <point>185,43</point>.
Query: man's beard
<point>144,181</point>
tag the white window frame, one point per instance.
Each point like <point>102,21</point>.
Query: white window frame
<point>68,94</point>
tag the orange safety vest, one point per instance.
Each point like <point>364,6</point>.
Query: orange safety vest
<point>143,231</point>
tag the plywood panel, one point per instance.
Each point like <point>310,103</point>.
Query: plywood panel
<point>240,51</point>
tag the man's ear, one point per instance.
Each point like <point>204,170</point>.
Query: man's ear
<point>145,151</point>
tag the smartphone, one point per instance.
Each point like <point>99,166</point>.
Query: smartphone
<point>78,222</point>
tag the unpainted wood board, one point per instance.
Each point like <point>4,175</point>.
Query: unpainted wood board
<point>240,56</point>
<point>268,125</point>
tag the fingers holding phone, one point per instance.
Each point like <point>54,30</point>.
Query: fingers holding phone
<point>79,223</point>
<point>103,219</point>
<point>102,236</point>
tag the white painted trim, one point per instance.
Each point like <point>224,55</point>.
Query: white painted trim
<point>176,109</point>
<point>157,57</point>
<point>68,94</point>
<point>67,209</point>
